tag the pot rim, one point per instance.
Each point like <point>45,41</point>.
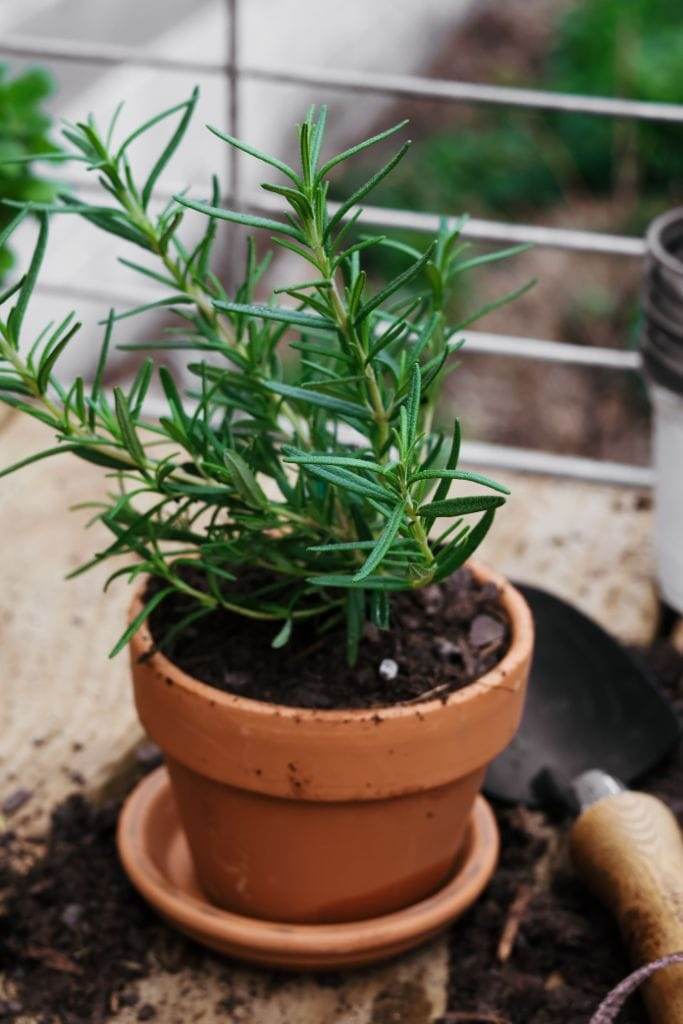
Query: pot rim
<point>522,628</point>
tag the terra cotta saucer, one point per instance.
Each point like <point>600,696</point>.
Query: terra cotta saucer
<point>156,858</point>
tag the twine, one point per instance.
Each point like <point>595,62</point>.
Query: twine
<point>613,1003</point>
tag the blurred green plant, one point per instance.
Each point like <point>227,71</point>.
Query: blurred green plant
<point>497,168</point>
<point>631,49</point>
<point>24,130</point>
<point>508,162</point>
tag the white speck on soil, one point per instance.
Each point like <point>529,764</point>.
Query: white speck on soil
<point>388,669</point>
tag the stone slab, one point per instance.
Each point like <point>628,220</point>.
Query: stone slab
<point>588,543</point>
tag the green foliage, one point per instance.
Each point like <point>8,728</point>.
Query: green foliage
<point>306,498</point>
<point>24,128</point>
<point>512,162</point>
<point>498,168</point>
<point>628,48</point>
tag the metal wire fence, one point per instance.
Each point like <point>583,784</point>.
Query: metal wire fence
<point>413,87</point>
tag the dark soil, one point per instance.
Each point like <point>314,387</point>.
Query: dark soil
<point>75,938</point>
<point>441,638</point>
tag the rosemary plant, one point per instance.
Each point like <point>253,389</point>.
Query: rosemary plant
<point>306,489</point>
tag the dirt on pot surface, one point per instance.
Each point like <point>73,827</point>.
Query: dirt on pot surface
<point>536,949</point>
<point>441,638</point>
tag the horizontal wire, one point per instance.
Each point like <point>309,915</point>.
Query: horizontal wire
<point>574,467</point>
<point>570,239</point>
<point>412,86</point>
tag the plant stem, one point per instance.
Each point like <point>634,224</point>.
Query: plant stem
<point>420,534</point>
<point>346,327</point>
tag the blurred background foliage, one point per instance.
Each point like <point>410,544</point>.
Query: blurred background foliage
<point>562,170</point>
<point>499,162</point>
<point>627,48</point>
<point>24,129</point>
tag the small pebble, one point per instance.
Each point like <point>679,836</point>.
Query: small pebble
<point>16,800</point>
<point>554,981</point>
<point>388,669</point>
<point>8,1006</point>
<point>459,611</point>
<point>72,914</point>
<point>236,681</point>
<point>486,630</point>
<point>146,1012</point>
<point>445,648</point>
<point>148,754</point>
<point>129,999</point>
<point>432,598</point>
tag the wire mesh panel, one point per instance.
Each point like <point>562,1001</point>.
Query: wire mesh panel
<point>234,72</point>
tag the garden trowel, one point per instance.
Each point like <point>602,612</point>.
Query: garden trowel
<point>593,723</point>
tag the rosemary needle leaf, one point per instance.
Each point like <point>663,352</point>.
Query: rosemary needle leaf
<point>384,542</point>
<point>462,506</point>
<point>248,219</point>
<point>252,151</point>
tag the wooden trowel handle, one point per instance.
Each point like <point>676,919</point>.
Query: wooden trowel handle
<point>629,850</point>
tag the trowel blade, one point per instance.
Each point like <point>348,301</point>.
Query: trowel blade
<point>589,703</point>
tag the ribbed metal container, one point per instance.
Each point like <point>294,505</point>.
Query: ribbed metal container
<point>662,351</point>
<point>662,345</point>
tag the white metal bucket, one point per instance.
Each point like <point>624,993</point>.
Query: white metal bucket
<point>668,459</point>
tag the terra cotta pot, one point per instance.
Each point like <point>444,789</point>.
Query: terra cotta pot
<point>300,815</point>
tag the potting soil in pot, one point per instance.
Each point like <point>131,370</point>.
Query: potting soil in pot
<point>441,638</point>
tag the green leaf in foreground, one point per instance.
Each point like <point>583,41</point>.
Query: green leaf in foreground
<point>462,506</point>
<point>384,542</point>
